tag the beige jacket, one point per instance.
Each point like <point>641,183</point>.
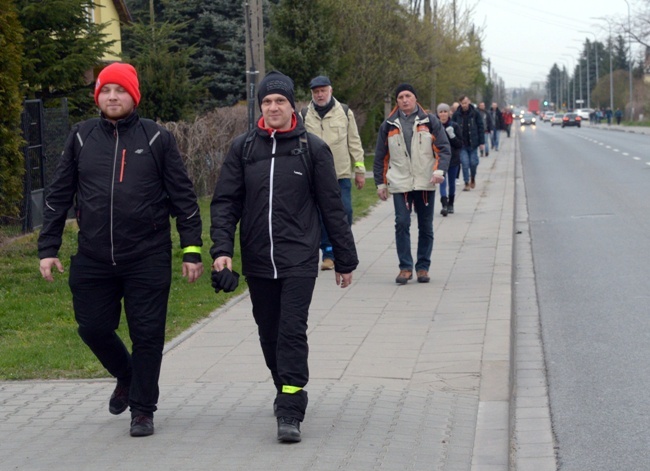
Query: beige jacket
<point>340,133</point>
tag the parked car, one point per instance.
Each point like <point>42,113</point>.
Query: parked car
<point>584,112</point>
<point>557,119</point>
<point>528,118</point>
<point>548,116</point>
<point>571,119</point>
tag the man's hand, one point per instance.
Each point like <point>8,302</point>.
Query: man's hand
<point>192,271</point>
<point>359,180</point>
<point>343,279</point>
<point>382,193</point>
<point>222,262</point>
<point>46,265</point>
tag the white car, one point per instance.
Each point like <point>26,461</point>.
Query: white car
<point>584,112</point>
<point>548,116</point>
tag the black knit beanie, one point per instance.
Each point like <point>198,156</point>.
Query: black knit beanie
<point>276,82</point>
<point>405,86</point>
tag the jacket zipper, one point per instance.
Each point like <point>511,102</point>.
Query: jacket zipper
<point>270,216</point>
<point>116,134</point>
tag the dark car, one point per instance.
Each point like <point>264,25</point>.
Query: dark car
<point>571,119</point>
<point>528,118</point>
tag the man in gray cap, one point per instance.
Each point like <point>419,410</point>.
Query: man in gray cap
<point>334,123</point>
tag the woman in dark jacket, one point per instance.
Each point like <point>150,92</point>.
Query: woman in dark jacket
<point>448,187</point>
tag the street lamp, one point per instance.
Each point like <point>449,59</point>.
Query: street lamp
<point>629,46</point>
<point>595,43</point>
<point>588,84</point>
<point>573,79</point>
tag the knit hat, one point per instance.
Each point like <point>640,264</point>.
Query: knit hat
<point>443,107</point>
<point>320,81</point>
<point>276,82</point>
<point>120,74</point>
<point>404,86</point>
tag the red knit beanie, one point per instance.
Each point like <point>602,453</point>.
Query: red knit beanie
<point>120,74</point>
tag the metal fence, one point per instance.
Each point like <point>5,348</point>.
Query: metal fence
<point>44,131</point>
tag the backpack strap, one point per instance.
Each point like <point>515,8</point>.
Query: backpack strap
<point>248,147</point>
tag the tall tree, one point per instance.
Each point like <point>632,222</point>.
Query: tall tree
<point>61,43</point>
<point>620,59</point>
<point>162,65</point>
<point>11,159</point>
<point>301,41</point>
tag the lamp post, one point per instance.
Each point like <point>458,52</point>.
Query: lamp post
<point>629,46</point>
<point>573,79</point>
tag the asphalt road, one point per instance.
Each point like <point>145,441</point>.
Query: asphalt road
<point>588,196</point>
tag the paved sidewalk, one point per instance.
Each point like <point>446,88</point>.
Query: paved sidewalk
<point>413,377</point>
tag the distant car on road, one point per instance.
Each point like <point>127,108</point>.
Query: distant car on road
<point>528,118</point>
<point>584,112</point>
<point>556,120</point>
<point>571,119</point>
<point>548,116</point>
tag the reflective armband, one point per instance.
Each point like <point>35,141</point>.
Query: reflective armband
<point>191,249</point>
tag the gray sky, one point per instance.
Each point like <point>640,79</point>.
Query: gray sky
<point>524,39</point>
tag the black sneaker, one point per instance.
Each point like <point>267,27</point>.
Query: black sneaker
<point>289,429</point>
<point>119,399</point>
<point>141,426</point>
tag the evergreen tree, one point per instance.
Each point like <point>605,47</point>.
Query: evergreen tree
<point>216,30</point>
<point>61,43</point>
<point>162,64</point>
<point>301,41</point>
<point>11,158</point>
<point>620,58</point>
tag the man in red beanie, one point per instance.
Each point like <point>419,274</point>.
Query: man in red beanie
<point>126,177</point>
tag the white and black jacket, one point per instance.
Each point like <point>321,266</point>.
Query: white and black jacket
<point>276,194</point>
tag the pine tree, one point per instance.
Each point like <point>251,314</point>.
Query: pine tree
<point>61,43</point>
<point>162,65</point>
<point>11,159</point>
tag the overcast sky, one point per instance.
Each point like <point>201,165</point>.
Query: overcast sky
<point>524,39</point>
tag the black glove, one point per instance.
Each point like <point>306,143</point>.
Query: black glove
<point>225,280</point>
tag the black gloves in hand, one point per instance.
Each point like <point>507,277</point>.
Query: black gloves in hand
<point>225,280</point>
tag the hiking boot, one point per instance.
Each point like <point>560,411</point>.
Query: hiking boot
<point>141,426</point>
<point>466,187</point>
<point>423,276</point>
<point>289,429</point>
<point>119,399</point>
<point>450,209</point>
<point>472,183</point>
<point>444,201</point>
<point>403,277</point>
<point>328,264</point>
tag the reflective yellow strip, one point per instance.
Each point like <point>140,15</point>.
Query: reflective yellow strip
<point>192,249</point>
<point>359,164</point>
<point>290,389</point>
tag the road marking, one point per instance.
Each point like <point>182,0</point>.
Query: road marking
<point>615,150</point>
<point>625,154</point>
<point>636,158</point>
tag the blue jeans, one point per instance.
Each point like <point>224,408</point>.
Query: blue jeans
<point>495,139</point>
<point>450,181</point>
<point>423,203</point>
<point>346,197</point>
<point>468,162</point>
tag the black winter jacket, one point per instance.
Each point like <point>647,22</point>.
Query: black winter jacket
<point>472,119</point>
<point>124,195</point>
<point>456,142</point>
<point>276,195</point>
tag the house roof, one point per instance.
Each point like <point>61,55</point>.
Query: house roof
<point>123,11</point>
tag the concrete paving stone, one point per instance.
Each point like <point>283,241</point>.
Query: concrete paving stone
<point>536,464</point>
<point>532,424</point>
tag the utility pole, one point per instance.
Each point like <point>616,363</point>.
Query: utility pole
<point>629,46</point>
<point>254,55</point>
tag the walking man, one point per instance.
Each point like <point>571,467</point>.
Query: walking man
<point>126,177</point>
<point>274,180</point>
<point>334,123</point>
<point>411,157</point>
<point>473,136</point>
<point>497,124</point>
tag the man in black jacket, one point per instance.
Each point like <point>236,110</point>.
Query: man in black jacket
<point>127,177</point>
<point>473,135</point>
<point>274,180</point>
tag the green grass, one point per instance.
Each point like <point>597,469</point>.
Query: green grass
<point>38,337</point>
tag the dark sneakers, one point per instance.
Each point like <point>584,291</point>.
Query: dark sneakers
<point>119,399</point>
<point>289,429</point>
<point>141,426</point>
